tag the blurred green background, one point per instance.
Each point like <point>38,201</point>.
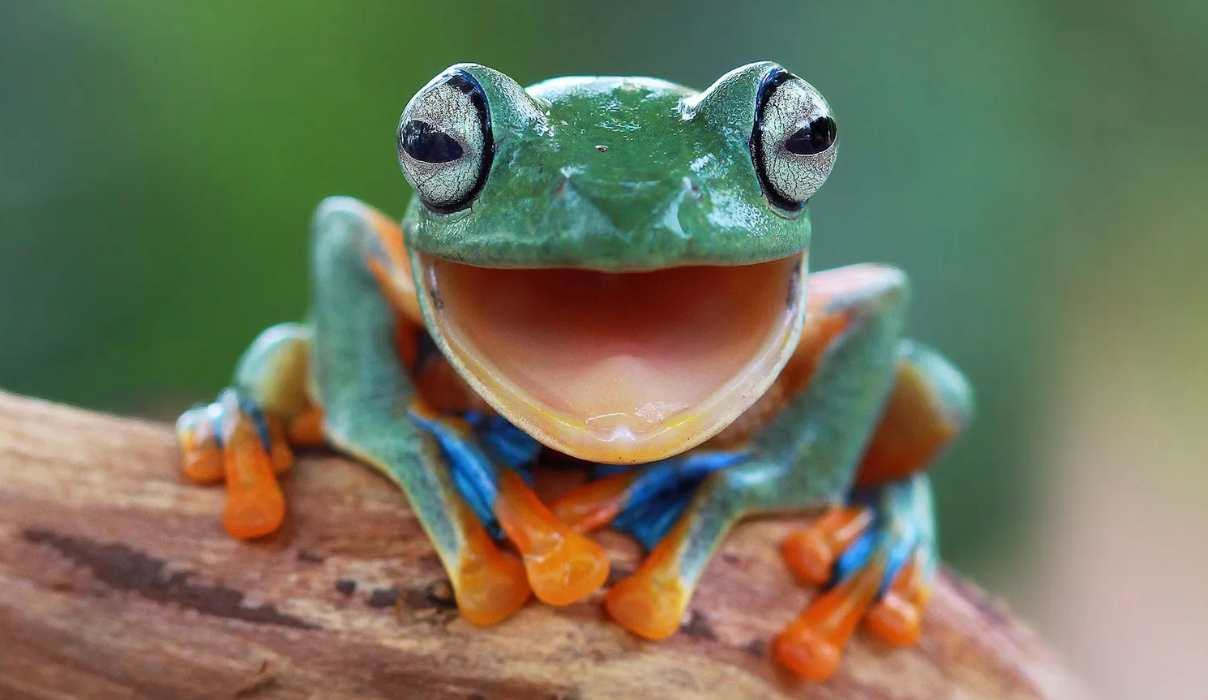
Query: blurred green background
<point>1038,167</point>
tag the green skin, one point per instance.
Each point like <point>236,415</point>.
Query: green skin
<point>683,190</point>
<point>615,214</point>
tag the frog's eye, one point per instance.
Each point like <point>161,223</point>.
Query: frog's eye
<point>793,143</point>
<point>444,141</point>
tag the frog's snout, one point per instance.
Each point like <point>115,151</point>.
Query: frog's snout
<point>633,203</point>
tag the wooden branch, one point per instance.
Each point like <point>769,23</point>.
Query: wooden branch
<point>117,581</point>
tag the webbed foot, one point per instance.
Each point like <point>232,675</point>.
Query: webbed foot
<point>244,436</point>
<point>878,559</point>
<point>646,503</point>
<point>232,439</point>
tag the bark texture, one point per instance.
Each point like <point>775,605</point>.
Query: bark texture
<point>117,581</point>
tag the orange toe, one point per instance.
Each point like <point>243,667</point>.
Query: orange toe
<point>203,466</point>
<point>255,505</point>
<point>809,556</point>
<point>281,454</point>
<point>562,565</point>
<point>813,644</point>
<point>895,620</point>
<point>807,653</point>
<point>810,553</point>
<point>202,458</point>
<point>307,429</point>
<point>254,513</point>
<point>648,605</point>
<point>595,503</point>
<point>490,585</point>
<point>571,570</point>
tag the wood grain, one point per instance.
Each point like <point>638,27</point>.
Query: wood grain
<point>117,581</point>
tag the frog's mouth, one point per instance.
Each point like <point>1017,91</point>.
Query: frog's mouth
<point>618,367</point>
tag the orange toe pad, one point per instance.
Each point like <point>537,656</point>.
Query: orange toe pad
<point>895,620</point>
<point>563,566</point>
<point>809,556</point>
<point>491,587</point>
<point>254,513</point>
<point>255,505</point>
<point>574,568</point>
<point>807,653</point>
<point>647,607</point>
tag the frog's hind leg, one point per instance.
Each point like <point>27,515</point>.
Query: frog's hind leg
<point>877,554</point>
<point>244,437</point>
<point>366,393</point>
<point>826,406</point>
<point>929,406</point>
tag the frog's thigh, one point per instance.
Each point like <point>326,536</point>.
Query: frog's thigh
<point>805,455</point>
<point>366,392</point>
<point>274,373</point>
<point>929,406</point>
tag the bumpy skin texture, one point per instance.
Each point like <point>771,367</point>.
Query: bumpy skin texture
<point>615,178</point>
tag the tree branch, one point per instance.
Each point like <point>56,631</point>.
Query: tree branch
<point>117,581</point>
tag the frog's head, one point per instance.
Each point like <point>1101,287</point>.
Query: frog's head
<point>615,264</point>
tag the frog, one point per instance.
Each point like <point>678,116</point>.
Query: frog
<point>613,272</point>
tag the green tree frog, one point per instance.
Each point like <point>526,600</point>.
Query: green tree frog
<point>615,269</point>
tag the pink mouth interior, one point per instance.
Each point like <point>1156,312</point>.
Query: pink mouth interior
<point>620,353</point>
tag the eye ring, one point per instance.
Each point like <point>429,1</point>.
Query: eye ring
<point>793,141</point>
<point>445,143</point>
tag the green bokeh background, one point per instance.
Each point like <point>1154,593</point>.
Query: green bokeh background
<point>159,162</point>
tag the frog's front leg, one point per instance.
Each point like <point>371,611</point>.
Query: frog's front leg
<point>807,456</point>
<point>367,397</point>
<point>562,566</point>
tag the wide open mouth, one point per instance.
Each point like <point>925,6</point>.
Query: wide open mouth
<point>618,367</point>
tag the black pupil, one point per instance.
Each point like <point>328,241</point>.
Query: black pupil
<point>424,142</point>
<point>813,138</point>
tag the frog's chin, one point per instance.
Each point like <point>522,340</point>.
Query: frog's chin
<point>611,367</point>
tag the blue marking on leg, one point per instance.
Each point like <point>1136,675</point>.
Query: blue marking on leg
<point>673,506</point>
<point>893,532</point>
<point>661,477</point>
<point>661,494</point>
<point>249,407</point>
<point>899,506</point>
<point>507,443</point>
<point>214,416</point>
<point>599,471</point>
<point>899,554</point>
<point>650,522</point>
<point>474,474</point>
<point>856,556</point>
